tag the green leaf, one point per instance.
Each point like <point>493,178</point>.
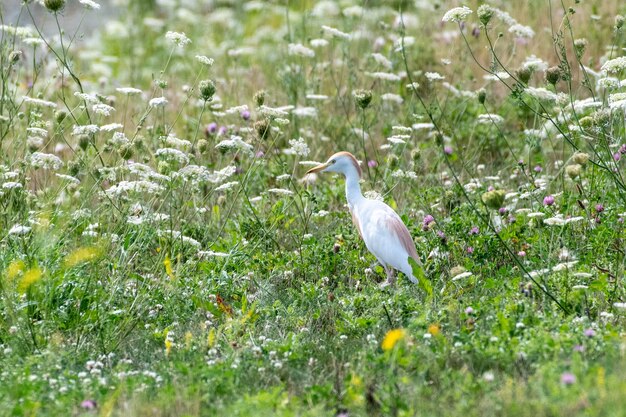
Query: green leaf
<point>418,272</point>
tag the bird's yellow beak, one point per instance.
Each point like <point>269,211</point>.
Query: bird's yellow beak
<point>317,169</point>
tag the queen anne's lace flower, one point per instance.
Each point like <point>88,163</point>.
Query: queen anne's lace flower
<point>458,14</point>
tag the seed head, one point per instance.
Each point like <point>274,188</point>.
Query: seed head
<point>524,74</point>
<point>619,21</point>
<point>494,199</point>
<point>262,128</point>
<point>553,74</point>
<point>581,158</point>
<point>573,171</point>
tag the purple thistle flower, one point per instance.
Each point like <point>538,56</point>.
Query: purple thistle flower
<point>589,332</point>
<point>428,219</point>
<point>599,208</point>
<point>222,131</point>
<point>622,149</point>
<point>617,156</point>
<point>521,254</point>
<point>211,128</point>
<point>469,310</point>
<point>470,250</point>
<point>538,168</point>
<point>372,164</point>
<point>260,154</point>
<point>245,115</point>
<point>579,348</point>
<point>568,378</point>
<point>89,405</point>
<point>548,200</point>
<point>502,210</point>
<point>447,150</point>
<point>474,231</point>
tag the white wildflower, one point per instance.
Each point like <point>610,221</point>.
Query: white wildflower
<point>489,118</point>
<point>300,50</point>
<point>128,90</point>
<point>336,32</point>
<point>158,102</point>
<point>540,93</point>
<point>298,147</point>
<point>175,234</point>
<point>396,98</point>
<point>89,4</point>
<point>11,185</point>
<point>457,14</point>
<point>205,60</point>
<point>382,60</point>
<point>37,131</point>
<point>237,109</point>
<point>102,109</point>
<point>45,161</point>
<point>316,97</point>
<point>462,275</point>
<point>68,178</point>
<point>111,127</point>
<point>140,186</point>
<point>39,102</point>
<point>280,191</point>
<point>522,31</point>
<point>273,112</point>
<point>212,254</point>
<point>173,154</point>
<point>387,76</point>
<point>172,141</point>
<point>534,64</point>
<point>227,186</point>
<point>614,66</point>
<point>85,130</point>
<point>89,98</point>
<point>19,230</point>
<point>178,38</point>
<point>237,143</point>
<point>434,76</point>
<point>305,112</point>
<point>319,43</point>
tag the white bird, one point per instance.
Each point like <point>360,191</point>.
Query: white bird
<point>382,230</point>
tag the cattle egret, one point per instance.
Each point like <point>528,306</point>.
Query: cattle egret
<point>382,230</point>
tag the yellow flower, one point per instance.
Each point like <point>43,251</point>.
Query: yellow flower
<point>168,346</point>
<point>81,255</point>
<point>211,338</point>
<point>434,329</point>
<point>391,338</point>
<point>168,267</point>
<point>30,277</point>
<point>14,268</point>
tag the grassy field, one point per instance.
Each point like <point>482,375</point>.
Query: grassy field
<point>162,253</point>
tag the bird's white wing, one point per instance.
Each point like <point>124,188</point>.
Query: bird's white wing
<point>385,234</point>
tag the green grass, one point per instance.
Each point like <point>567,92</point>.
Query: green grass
<point>183,266</point>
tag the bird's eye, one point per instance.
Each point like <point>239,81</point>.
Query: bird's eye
<point>333,161</point>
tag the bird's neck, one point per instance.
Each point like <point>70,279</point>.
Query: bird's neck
<point>353,189</point>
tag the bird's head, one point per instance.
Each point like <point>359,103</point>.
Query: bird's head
<point>342,162</point>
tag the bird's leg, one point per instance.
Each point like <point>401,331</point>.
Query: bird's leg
<point>391,277</point>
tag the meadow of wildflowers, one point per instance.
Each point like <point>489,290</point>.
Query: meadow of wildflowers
<point>162,254</point>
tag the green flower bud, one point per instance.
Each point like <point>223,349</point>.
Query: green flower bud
<point>579,46</point>
<point>393,161</point>
<point>619,21</point>
<point>125,151</point>
<point>586,122</point>
<point>73,167</point>
<point>207,89</point>
<point>363,98</point>
<point>203,145</point>
<point>54,5</point>
<point>524,74</point>
<point>494,199</point>
<point>482,95</point>
<point>83,142</point>
<point>14,57</point>
<point>161,84</point>
<point>60,115</point>
<point>259,97</point>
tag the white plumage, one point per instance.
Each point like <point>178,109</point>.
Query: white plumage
<point>382,230</point>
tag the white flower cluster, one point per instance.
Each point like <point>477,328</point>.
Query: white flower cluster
<point>237,143</point>
<point>614,66</point>
<point>45,161</point>
<point>300,50</point>
<point>298,147</point>
<point>178,38</point>
<point>141,186</point>
<point>172,154</point>
<point>457,14</point>
<point>336,32</point>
